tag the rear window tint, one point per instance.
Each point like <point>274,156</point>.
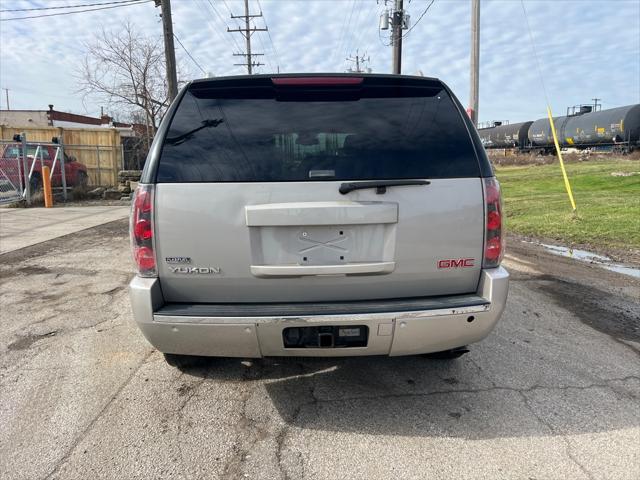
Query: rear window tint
<point>266,136</point>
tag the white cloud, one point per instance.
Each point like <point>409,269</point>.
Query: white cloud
<point>586,48</point>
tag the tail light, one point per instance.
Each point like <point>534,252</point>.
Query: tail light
<point>316,81</point>
<point>493,237</point>
<point>141,231</point>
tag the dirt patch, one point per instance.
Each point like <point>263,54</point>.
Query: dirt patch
<point>113,290</point>
<point>613,316</point>
<point>104,234</point>
<point>606,301</point>
<point>34,270</point>
<point>184,389</point>
<point>17,261</point>
<point>25,342</point>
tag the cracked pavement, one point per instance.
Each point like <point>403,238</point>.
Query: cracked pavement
<point>552,393</point>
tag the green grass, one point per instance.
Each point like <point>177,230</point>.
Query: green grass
<point>608,207</point>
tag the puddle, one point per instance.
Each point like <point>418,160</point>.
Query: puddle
<point>592,258</point>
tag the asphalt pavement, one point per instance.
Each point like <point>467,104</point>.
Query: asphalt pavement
<point>552,393</point>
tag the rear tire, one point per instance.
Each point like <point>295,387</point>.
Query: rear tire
<point>82,180</point>
<point>447,354</point>
<point>35,184</point>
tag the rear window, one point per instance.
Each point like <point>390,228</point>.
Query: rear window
<point>273,135</point>
<point>16,152</point>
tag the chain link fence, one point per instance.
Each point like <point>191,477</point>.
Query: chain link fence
<point>22,164</point>
<point>72,165</point>
<point>11,177</point>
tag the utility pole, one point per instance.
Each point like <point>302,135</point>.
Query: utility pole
<point>359,61</point>
<point>6,91</point>
<point>169,50</point>
<point>595,103</point>
<point>398,21</point>
<point>247,31</point>
<point>475,61</point>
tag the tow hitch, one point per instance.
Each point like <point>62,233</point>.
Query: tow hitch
<point>326,336</point>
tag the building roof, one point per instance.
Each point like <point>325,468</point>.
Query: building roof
<point>55,118</point>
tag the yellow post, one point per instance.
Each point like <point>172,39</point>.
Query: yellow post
<point>46,187</point>
<point>564,172</point>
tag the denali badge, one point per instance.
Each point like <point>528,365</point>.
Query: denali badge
<point>177,259</point>
<point>197,270</point>
<point>456,263</point>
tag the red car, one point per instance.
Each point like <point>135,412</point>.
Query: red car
<point>75,172</point>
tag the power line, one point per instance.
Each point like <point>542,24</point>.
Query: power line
<point>273,45</point>
<point>190,56</point>
<point>266,57</point>
<point>224,23</point>
<point>535,52</point>
<point>351,38</point>
<point>419,18</point>
<point>549,113</point>
<point>224,38</point>
<point>230,15</point>
<point>341,34</point>
<point>133,2</point>
<point>65,6</point>
<point>343,39</point>
<point>377,12</point>
<point>246,32</point>
<point>227,6</point>
<point>360,36</point>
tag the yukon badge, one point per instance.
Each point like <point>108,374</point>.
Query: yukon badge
<point>196,270</point>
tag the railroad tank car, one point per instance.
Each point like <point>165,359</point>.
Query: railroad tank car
<point>505,136</point>
<point>611,126</point>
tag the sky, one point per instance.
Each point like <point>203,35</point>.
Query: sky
<point>586,48</point>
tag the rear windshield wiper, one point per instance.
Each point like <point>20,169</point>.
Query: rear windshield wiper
<point>208,123</point>
<point>379,185</point>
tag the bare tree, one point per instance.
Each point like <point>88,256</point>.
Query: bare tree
<point>127,69</point>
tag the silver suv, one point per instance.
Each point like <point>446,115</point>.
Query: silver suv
<point>317,215</point>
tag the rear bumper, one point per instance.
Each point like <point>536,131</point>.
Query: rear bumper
<point>440,326</point>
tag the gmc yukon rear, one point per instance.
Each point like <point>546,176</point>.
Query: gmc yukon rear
<point>317,215</point>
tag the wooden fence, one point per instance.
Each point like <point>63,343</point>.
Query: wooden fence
<point>100,149</point>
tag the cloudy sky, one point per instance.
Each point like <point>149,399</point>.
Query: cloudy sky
<point>587,48</point>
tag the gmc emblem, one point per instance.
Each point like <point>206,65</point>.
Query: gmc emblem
<point>456,263</point>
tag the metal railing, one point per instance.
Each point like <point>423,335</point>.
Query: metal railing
<point>18,156</point>
<point>11,180</point>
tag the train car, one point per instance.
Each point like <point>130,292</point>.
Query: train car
<point>614,126</point>
<point>505,136</point>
